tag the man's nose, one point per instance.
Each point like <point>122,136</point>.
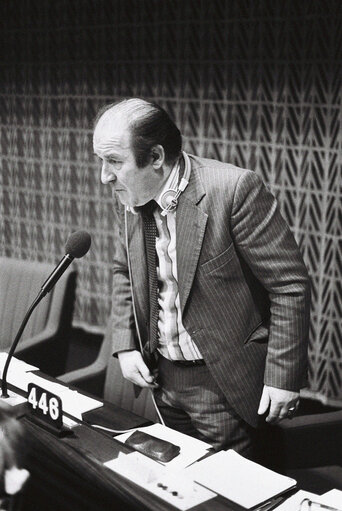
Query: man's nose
<point>107,174</point>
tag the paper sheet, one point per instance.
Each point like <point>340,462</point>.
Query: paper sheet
<point>332,498</point>
<point>175,488</point>
<point>69,423</point>
<point>191,448</point>
<point>229,474</point>
<point>18,372</point>
<point>293,502</point>
<point>19,380</point>
<point>76,404</point>
<point>15,362</point>
<point>50,386</point>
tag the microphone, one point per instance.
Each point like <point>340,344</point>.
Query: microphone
<point>77,246</point>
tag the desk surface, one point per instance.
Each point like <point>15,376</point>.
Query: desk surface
<point>68,473</point>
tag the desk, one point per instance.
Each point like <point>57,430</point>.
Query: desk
<point>67,473</point>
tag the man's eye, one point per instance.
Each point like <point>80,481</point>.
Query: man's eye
<point>112,161</point>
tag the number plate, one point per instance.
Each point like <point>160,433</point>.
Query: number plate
<point>45,405</point>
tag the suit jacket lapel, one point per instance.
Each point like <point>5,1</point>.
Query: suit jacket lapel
<point>190,227</point>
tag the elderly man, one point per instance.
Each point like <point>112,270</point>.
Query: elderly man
<point>210,291</point>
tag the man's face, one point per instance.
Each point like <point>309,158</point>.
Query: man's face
<point>134,186</point>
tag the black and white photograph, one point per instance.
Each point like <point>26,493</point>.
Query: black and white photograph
<point>170,255</point>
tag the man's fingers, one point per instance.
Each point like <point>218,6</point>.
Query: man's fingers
<point>281,412</point>
<point>145,373</point>
<point>274,413</point>
<point>283,403</point>
<point>137,379</point>
<point>135,370</point>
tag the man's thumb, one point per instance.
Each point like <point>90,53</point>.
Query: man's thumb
<point>145,372</point>
<point>264,402</point>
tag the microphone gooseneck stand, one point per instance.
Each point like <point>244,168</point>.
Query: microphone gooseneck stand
<point>4,393</point>
<point>77,245</point>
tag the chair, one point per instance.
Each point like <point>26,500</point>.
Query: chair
<point>104,379</point>
<point>307,448</point>
<point>45,339</point>
<point>91,378</point>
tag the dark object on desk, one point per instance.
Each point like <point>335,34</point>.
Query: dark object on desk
<point>155,448</point>
<point>113,417</point>
<point>48,330</point>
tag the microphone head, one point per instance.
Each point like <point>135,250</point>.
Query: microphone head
<point>78,244</point>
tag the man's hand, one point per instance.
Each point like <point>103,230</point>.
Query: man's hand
<point>280,403</point>
<point>135,370</point>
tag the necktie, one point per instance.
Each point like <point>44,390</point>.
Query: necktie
<point>150,232</point>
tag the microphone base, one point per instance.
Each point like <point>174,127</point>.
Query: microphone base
<point>13,398</point>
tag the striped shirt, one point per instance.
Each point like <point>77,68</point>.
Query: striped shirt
<point>174,341</point>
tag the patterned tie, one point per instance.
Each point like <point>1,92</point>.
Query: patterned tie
<point>150,232</point>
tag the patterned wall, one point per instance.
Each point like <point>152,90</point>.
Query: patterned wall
<point>254,82</point>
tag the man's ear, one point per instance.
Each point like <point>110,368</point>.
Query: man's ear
<point>158,156</point>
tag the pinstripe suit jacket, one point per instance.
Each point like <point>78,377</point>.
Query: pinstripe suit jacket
<point>244,289</point>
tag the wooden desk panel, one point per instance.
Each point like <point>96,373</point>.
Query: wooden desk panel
<point>67,474</point>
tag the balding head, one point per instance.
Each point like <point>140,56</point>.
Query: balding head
<point>148,125</point>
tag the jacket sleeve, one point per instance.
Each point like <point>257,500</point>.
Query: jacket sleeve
<point>122,317</point>
<point>266,243</point>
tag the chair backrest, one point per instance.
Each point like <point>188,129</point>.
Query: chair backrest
<point>120,391</point>
<point>20,282</point>
<point>306,441</point>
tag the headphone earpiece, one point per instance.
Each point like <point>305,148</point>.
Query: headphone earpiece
<point>169,199</point>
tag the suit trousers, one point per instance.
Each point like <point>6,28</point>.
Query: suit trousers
<point>190,401</point>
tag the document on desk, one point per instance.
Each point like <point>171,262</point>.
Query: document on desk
<point>15,362</point>
<point>293,502</point>
<point>173,487</point>
<point>52,386</point>
<point>191,449</point>
<point>332,498</point>
<point>20,380</point>
<point>229,474</point>
<point>76,404</point>
<point>18,372</point>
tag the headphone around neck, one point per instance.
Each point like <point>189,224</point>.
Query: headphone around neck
<point>169,199</point>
